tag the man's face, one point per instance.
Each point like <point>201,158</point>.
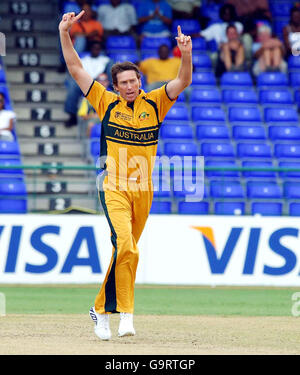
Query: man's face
<point>128,85</point>
<point>95,50</point>
<point>163,52</point>
<point>232,33</point>
<point>296,18</point>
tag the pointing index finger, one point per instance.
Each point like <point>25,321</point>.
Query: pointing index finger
<point>179,30</point>
<point>79,15</point>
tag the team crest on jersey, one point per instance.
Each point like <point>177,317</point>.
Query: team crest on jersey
<point>144,116</point>
<point>123,116</point>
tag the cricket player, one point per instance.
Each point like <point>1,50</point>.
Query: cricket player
<point>130,123</point>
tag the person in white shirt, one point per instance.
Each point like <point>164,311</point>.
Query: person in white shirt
<point>117,18</point>
<point>217,31</point>
<point>94,63</point>
<point>7,120</point>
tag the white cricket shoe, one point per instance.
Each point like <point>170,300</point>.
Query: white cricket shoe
<point>101,329</point>
<point>126,325</point>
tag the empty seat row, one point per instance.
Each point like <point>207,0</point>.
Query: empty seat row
<point>243,114</point>
<point>251,132</point>
<point>227,149</point>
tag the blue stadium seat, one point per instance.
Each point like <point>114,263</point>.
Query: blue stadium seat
<point>212,132</point>
<point>11,162</point>
<point>124,56</point>
<point>239,96</point>
<point>297,97</point>
<point>207,79</point>
<point>188,27</point>
<point>161,207</point>
<point>206,114</point>
<point>178,113</point>
<point>294,209</point>
<point>229,208</point>
<point>2,75</point>
<point>289,165</point>
<point>240,114</point>
<point>207,96</point>
<point>275,96</point>
<point>248,132</point>
<point>254,150</point>
<point>201,62</point>
<point>94,148</point>
<point>221,164</point>
<point>266,208</point>
<point>9,148</point>
<point>230,79</point>
<point>291,190</point>
<point>189,189</point>
<point>281,114</point>
<point>263,189</point>
<point>280,9</point>
<point>153,43</point>
<point>176,131</point>
<point>12,187</point>
<point>226,189</point>
<point>120,42</point>
<point>181,148</point>
<point>95,131</point>
<point>272,79</point>
<point>294,63</point>
<point>255,165</point>
<point>13,206</point>
<point>161,188</point>
<point>294,79</point>
<point>217,149</point>
<point>284,150</point>
<point>193,208</point>
<point>284,132</point>
<point>199,45</point>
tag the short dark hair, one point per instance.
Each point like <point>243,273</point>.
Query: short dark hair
<point>122,67</point>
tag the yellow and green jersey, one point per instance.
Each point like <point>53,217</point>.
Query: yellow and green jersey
<point>129,131</point>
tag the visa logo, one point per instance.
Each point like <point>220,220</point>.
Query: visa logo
<point>83,235</point>
<point>219,263</point>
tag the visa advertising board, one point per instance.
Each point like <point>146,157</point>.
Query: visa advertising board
<point>181,250</point>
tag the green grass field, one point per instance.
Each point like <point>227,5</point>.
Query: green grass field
<point>161,300</point>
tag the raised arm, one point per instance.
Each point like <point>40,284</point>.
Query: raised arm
<point>184,77</point>
<point>74,65</point>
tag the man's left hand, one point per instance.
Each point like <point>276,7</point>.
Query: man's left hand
<point>184,42</point>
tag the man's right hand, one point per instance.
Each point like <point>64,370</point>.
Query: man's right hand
<point>68,19</point>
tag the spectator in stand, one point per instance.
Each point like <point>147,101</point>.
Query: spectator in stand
<point>154,18</point>
<point>95,63</point>
<point>231,54</point>
<point>291,32</point>
<point>7,121</point>
<point>86,30</point>
<point>86,112</point>
<point>117,18</point>
<point>217,31</point>
<point>185,9</point>
<point>268,52</point>
<point>159,70</point>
